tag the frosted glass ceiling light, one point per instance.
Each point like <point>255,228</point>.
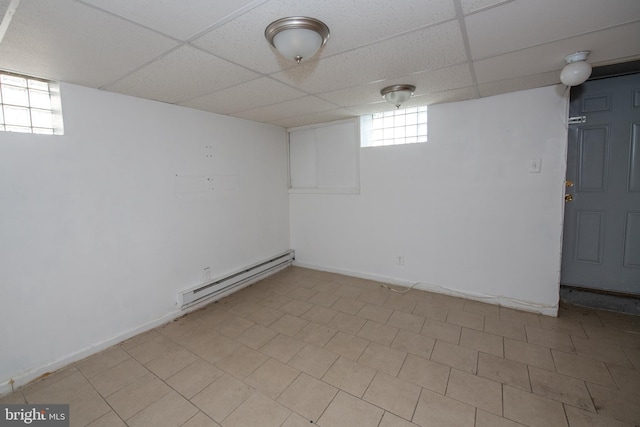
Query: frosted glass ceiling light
<point>397,94</point>
<point>577,70</point>
<point>297,37</point>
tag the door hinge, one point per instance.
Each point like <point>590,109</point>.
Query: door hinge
<point>577,120</point>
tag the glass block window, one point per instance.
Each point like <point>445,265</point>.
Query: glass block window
<point>408,126</point>
<point>29,105</point>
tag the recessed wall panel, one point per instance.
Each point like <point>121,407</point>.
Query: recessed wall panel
<point>596,103</point>
<point>589,236</point>
<point>324,158</point>
<point>632,240</point>
<point>593,158</point>
<point>302,159</point>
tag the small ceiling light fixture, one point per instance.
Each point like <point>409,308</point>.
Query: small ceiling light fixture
<point>397,94</point>
<point>577,70</point>
<point>297,37</point>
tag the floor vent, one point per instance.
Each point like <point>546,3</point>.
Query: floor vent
<point>245,276</point>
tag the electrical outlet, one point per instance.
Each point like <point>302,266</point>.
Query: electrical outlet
<point>206,274</point>
<point>400,260</point>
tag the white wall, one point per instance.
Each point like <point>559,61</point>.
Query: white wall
<point>463,209</point>
<point>98,230</point>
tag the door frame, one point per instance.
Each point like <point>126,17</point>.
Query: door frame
<point>598,73</point>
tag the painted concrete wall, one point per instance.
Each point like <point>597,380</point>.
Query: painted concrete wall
<point>102,227</point>
<point>463,210</point>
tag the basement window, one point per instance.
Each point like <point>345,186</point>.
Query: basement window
<point>29,105</point>
<point>407,126</point>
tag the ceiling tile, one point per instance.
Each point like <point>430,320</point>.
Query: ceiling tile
<point>242,40</point>
<point>383,20</point>
<point>212,55</point>
<point>427,82</point>
<point>4,5</point>
<point>453,95</point>
<point>182,74</point>
<point>378,107</point>
<point>287,109</point>
<point>418,100</point>
<point>550,57</point>
<point>444,79</point>
<point>522,24</point>
<point>364,94</point>
<point>521,83</point>
<point>310,119</point>
<point>180,19</point>
<point>68,41</point>
<point>469,6</point>
<point>245,96</point>
<point>428,49</point>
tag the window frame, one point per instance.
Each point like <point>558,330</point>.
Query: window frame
<point>389,128</point>
<point>40,105</point>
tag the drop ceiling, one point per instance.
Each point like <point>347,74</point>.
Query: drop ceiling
<point>212,55</point>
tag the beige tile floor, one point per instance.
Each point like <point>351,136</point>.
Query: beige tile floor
<point>307,347</point>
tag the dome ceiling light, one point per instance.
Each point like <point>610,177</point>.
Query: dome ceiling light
<point>398,94</point>
<point>297,37</point>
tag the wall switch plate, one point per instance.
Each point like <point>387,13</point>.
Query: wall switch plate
<point>535,165</point>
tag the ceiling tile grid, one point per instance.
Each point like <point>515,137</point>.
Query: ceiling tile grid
<point>425,82</point>
<point>182,19</point>
<point>550,56</point>
<point>522,24</point>
<point>242,40</point>
<point>520,83</point>
<point>212,55</point>
<point>287,109</point>
<point>180,75</point>
<point>431,48</point>
<point>245,96</point>
<point>65,40</point>
<point>321,117</point>
<point>470,6</point>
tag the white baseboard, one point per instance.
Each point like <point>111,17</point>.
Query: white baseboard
<point>23,378</point>
<point>489,299</point>
<point>26,377</point>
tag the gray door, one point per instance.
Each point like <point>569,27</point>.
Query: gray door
<point>601,248</point>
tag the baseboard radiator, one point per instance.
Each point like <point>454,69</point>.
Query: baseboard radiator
<point>245,276</point>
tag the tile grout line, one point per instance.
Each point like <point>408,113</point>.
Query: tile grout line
<point>292,287</point>
<point>104,399</point>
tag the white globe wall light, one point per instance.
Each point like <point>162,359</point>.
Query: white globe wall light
<point>577,70</point>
